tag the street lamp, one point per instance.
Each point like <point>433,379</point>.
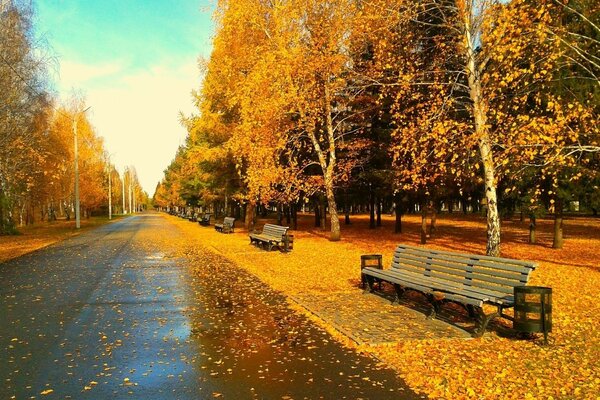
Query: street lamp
<point>109,166</point>
<point>123,190</point>
<point>77,214</point>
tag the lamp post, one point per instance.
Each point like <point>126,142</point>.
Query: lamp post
<point>123,190</point>
<point>76,154</point>
<point>109,191</point>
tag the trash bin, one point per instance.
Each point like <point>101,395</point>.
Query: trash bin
<point>288,242</point>
<point>370,260</point>
<point>533,310</point>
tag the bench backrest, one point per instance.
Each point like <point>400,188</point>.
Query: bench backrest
<point>276,231</point>
<point>229,221</point>
<point>206,217</point>
<point>497,276</point>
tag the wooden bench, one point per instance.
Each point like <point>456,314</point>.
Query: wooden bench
<point>271,236</point>
<point>466,279</point>
<point>226,226</point>
<point>193,217</point>
<point>204,220</point>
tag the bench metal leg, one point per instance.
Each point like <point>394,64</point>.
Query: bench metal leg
<point>370,283</point>
<point>471,310</point>
<point>483,320</point>
<point>435,306</point>
<point>399,293</point>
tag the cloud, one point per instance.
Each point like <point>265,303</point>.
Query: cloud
<point>137,111</point>
<point>74,74</point>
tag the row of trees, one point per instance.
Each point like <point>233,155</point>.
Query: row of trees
<point>37,136</point>
<point>425,101</point>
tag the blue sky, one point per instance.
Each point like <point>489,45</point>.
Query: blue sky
<point>136,64</point>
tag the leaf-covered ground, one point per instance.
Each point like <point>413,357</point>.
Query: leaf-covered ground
<point>491,367</point>
<point>43,234</point>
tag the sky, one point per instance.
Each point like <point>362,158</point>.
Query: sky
<point>136,63</point>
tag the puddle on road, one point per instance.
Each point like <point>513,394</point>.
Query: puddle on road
<point>156,256</point>
<point>253,346</point>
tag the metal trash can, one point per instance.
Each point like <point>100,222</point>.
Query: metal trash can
<point>370,260</point>
<point>288,243</point>
<point>533,310</point>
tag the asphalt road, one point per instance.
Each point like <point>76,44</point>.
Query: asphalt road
<point>135,310</point>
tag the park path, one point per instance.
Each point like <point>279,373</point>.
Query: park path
<point>134,310</point>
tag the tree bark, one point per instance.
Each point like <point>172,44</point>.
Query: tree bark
<point>378,211</point>
<point>558,241</point>
<point>279,214</point>
<point>483,135</point>
<point>371,209</point>
<point>249,222</point>
<point>346,208</point>
<point>323,208</point>
<point>294,212</point>
<point>423,223</point>
<point>333,214</point>
<point>532,226</point>
<point>317,213</point>
<point>327,161</point>
<point>433,224</point>
<point>398,212</point>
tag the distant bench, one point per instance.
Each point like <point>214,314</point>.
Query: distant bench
<point>467,279</point>
<point>205,219</point>
<point>272,236</point>
<point>226,226</point>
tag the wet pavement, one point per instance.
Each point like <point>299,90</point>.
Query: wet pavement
<point>133,310</point>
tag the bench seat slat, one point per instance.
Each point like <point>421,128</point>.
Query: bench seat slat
<point>498,260</point>
<point>500,279</point>
<point>462,280</point>
<point>502,273</point>
<point>461,260</point>
<point>432,283</point>
<point>463,277</point>
<point>450,292</point>
<point>442,284</point>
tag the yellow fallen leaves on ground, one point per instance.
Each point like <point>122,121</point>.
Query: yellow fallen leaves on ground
<point>489,367</point>
<point>43,234</point>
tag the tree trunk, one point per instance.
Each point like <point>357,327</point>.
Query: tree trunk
<point>399,209</point>
<point>371,209</point>
<point>323,208</point>
<point>346,208</point>
<point>433,225</point>
<point>279,214</point>
<point>327,159</point>
<point>317,214</point>
<point>249,222</point>
<point>557,242</point>
<point>333,214</point>
<point>378,211</point>
<point>482,133</point>
<point>532,226</point>
<point>423,224</point>
<point>294,216</point>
